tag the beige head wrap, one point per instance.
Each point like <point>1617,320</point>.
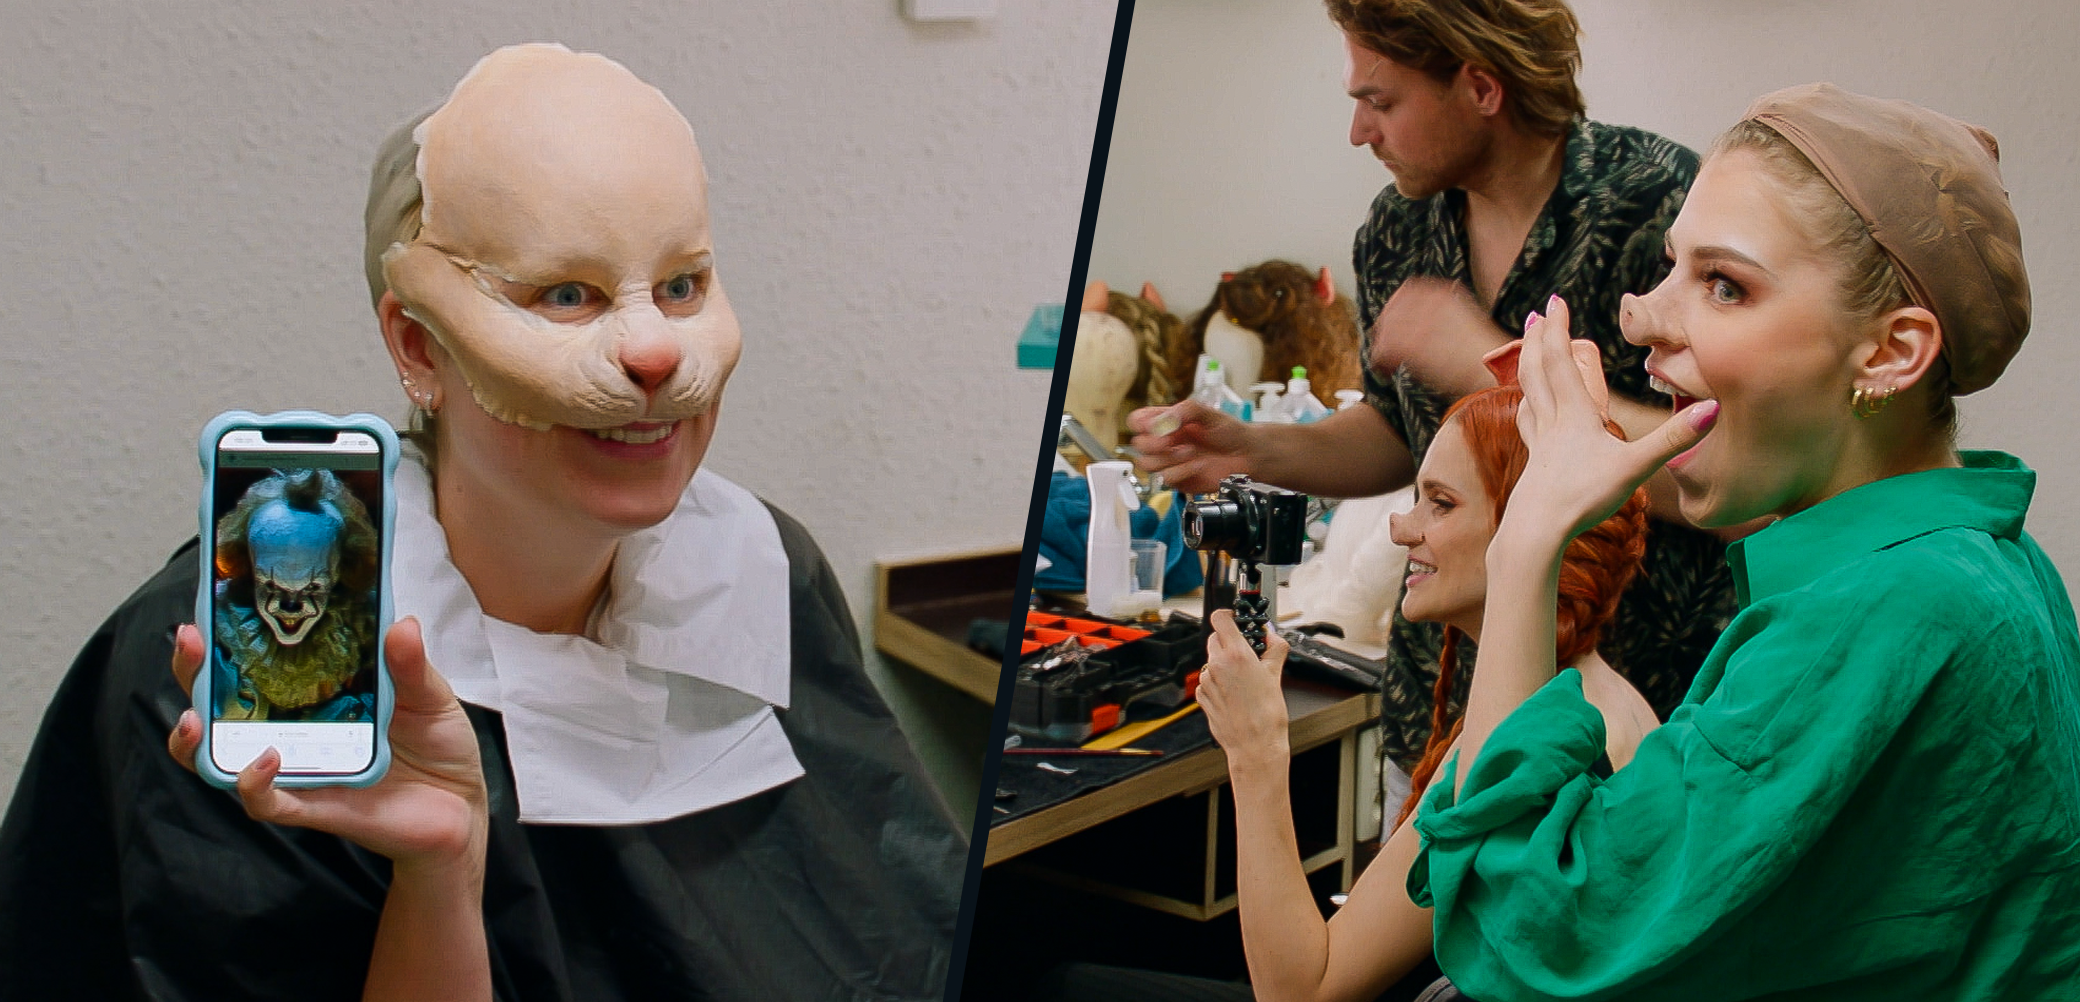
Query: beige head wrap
<point>1929,187</point>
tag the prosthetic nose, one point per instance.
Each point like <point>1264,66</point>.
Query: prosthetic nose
<point>648,349</point>
<point>1640,319</point>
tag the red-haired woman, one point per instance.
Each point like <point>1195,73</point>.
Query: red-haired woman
<point>1379,935</point>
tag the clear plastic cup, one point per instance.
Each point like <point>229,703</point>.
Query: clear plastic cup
<point>1150,556</point>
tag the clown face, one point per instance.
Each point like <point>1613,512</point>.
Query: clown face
<point>295,564</point>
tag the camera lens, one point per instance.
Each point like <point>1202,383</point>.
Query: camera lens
<point>1214,524</point>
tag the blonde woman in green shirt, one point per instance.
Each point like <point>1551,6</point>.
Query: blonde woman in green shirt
<point>1872,791</point>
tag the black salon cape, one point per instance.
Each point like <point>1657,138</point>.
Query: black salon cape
<point>122,876</point>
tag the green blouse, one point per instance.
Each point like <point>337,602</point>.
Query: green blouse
<point>1872,791</point>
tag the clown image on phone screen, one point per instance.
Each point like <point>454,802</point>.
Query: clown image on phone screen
<point>295,598</point>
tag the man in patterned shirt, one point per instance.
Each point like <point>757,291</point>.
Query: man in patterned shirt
<point>1503,195</point>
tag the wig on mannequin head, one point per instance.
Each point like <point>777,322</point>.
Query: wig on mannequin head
<point>1594,569</point>
<point>1301,318</point>
<point>1155,328</point>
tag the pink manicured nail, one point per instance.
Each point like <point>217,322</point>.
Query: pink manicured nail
<point>1704,415</point>
<point>1553,303</point>
<point>1530,319</point>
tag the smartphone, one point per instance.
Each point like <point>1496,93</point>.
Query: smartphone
<point>294,599</point>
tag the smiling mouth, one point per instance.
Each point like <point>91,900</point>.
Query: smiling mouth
<point>1417,568</point>
<point>634,434</point>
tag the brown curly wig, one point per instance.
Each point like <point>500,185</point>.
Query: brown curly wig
<point>1281,302</point>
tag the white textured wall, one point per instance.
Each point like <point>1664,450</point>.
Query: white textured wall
<point>181,188</point>
<point>1231,147</point>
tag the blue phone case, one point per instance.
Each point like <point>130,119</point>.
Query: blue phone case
<point>204,697</point>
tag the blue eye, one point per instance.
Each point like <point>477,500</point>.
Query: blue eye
<point>569,295</point>
<point>681,289</point>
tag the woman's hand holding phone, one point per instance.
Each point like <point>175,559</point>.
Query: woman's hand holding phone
<point>428,812</point>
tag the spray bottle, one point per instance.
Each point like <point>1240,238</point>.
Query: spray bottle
<point>1108,571</point>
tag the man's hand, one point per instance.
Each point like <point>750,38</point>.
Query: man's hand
<point>1192,445</point>
<point>1434,328</point>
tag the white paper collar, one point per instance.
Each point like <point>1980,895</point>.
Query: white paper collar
<point>671,711</point>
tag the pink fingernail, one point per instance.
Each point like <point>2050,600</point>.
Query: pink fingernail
<point>1530,319</point>
<point>1704,414</point>
<point>1553,303</point>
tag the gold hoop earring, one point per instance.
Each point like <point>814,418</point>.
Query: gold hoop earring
<point>1867,402</point>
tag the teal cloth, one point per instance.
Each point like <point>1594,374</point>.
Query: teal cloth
<point>1065,529</point>
<point>1872,791</point>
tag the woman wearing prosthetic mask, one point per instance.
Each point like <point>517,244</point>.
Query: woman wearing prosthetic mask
<point>636,753</point>
<point>1870,791</point>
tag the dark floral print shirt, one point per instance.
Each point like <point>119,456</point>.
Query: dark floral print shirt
<point>1599,237</point>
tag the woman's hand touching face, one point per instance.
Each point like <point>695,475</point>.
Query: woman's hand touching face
<point>1579,473</point>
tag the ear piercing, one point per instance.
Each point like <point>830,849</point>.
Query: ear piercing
<point>1867,402</point>
<point>422,399</point>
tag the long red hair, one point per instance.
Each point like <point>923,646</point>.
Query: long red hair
<point>1594,569</point>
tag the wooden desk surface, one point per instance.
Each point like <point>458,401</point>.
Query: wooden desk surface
<point>1319,714</point>
<point>922,609</point>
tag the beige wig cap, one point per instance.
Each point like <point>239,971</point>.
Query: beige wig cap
<point>1929,188</point>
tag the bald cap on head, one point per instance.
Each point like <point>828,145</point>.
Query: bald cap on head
<point>557,196</point>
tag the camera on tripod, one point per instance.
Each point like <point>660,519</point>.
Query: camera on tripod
<point>1254,524</point>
